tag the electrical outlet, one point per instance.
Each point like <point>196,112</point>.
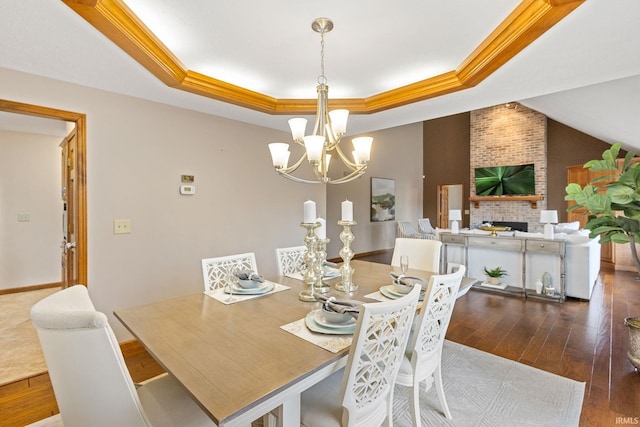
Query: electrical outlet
<point>121,226</point>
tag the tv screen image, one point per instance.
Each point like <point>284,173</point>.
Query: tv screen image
<point>506,180</point>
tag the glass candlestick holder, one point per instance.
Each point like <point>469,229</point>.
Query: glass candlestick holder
<point>346,253</point>
<point>321,256</point>
<point>311,260</point>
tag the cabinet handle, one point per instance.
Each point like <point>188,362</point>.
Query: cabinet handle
<point>542,245</point>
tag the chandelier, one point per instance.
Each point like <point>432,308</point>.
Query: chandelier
<point>328,130</point>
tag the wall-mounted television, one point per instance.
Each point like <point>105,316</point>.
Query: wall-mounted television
<point>506,180</point>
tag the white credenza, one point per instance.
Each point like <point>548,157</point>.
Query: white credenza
<point>525,259</point>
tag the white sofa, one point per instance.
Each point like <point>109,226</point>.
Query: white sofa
<point>582,265</point>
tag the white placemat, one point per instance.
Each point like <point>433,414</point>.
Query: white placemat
<point>333,343</point>
<point>220,295</point>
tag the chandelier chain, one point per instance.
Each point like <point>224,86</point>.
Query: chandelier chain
<point>322,79</point>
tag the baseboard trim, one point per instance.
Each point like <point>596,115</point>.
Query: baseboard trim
<point>30,288</point>
<point>363,255</point>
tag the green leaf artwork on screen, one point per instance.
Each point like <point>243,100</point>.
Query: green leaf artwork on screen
<point>502,180</point>
<point>611,201</point>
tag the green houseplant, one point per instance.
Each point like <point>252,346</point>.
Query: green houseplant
<point>611,201</point>
<point>494,274</point>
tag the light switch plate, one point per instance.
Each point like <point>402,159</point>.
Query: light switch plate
<point>121,226</point>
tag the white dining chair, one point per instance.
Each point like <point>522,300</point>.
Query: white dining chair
<point>422,360</point>
<point>90,380</point>
<point>291,259</point>
<point>215,271</point>
<point>361,394</point>
<point>423,254</point>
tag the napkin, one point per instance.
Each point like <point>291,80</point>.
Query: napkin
<point>409,280</point>
<point>330,264</point>
<point>340,305</point>
<point>248,275</point>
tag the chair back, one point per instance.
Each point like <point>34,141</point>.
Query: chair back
<point>423,254</point>
<point>291,260</point>
<point>90,379</point>
<point>406,229</point>
<point>378,346</point>
<point>215,271</point>
<point>424,226</point>
<point>428,336</point>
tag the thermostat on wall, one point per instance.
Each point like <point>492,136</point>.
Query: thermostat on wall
<point>187,189</point>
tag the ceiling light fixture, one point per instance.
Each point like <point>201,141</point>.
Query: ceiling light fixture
<point>327,133</point>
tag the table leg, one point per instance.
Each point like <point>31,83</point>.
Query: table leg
<point>288,414</point>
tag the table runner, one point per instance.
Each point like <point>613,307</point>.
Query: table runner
<point>220,295</point>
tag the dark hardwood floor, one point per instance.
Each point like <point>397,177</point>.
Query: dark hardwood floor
<point>584,341</point>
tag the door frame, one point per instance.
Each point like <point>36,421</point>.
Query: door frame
<point>80,121</point>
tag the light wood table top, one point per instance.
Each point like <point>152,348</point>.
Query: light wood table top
<point>234,359</point>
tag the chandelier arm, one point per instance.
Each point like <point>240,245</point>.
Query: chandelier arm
<point>296,179</point>
<point>352,176</point>
<point>295,166</point>
<point>345,160</point>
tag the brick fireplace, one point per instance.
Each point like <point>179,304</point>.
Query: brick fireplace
<point>507,136</point>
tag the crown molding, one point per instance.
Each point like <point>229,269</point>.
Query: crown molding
<point>528,21</point>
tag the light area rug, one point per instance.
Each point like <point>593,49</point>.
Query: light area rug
<point>483,390</point>
<point>490,391</point>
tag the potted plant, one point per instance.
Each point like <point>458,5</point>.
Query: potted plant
<point>612,204</point>
<point>494,275</point>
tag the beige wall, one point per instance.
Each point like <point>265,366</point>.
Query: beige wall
<point>396,154</point>
<point>136,152</point>
<point>29,185</point>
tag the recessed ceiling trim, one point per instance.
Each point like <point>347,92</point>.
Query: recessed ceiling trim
<point>529,20</point>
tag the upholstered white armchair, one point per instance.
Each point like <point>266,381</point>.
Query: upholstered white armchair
<point>423,254</point>
<point>90,379</point>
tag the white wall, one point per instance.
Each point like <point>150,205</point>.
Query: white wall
<point>30,182</point>
<point>136,152</point>
<point>396,154</point>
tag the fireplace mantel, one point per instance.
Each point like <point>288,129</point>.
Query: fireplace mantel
<point>531,199</point>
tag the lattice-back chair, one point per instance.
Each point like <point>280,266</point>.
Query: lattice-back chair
<point>291,260</point>
<point>422,361</point>
<point>215,271</point>
<point>424,226</point>
<point>362,394</point>
<point>423,254</point>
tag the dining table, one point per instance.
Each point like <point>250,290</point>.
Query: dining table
<point>244,359</point>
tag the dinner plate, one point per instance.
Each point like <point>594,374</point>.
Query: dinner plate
<point>314,326</point>
<point>390,291</point>
<point>264,287</point>
<point>322,320</point>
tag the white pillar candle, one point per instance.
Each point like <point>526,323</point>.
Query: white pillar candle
<point>309,212</point>
<point>322,230</point>
<point>347,211</point>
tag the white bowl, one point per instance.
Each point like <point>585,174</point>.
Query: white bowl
<point>401,287</point>
<point>335,317</point>
<point>248,284</point>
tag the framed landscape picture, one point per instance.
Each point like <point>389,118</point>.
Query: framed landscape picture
<point>383,199</point>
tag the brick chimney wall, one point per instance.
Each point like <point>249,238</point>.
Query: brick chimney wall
<point>502,136</point>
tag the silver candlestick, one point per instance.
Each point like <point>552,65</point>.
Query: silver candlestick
<point>311,260</point>
<point>346,253</point>
<point>321,255</point>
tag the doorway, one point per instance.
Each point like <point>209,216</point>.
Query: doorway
<point>75,271</point>
<point>450,196</point>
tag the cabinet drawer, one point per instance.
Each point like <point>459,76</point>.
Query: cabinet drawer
<point>452,239</point>
<point>496,243</point>
<point>544,246</point>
